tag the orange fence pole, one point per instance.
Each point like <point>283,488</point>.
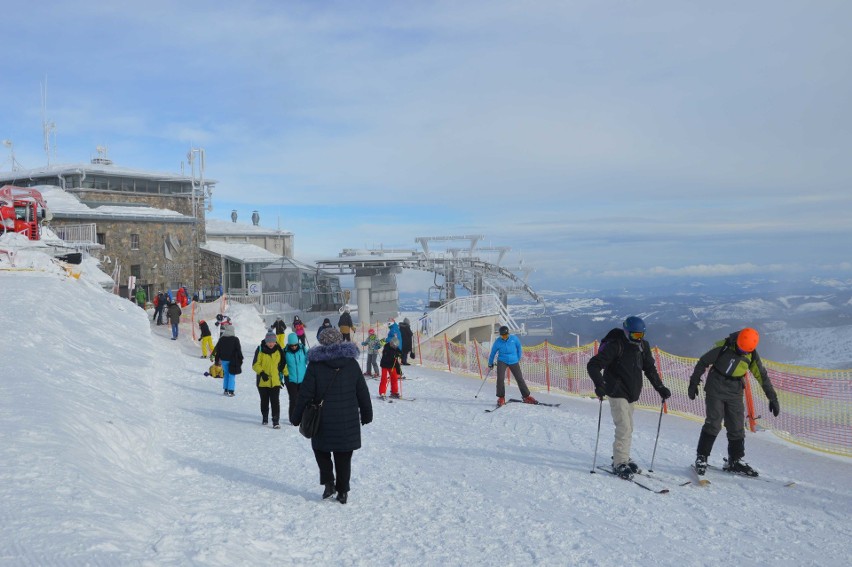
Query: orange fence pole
<point>478,361</point>
<point>447,349</point>
<point>752,420</point>
<point>419,351</point>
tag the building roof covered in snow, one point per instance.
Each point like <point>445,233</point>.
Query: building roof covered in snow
<point>240,252</point>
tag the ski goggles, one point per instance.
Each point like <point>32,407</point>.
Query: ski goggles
<point>637,335</point>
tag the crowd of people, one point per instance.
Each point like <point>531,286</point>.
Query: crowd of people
<point>329,371</point>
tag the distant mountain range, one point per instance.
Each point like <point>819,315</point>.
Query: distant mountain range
<point>806,323</point>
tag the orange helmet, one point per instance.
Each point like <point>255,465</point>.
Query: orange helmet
<point>747,339</point>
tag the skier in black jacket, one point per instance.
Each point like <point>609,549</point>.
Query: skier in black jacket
<point>616,371</point>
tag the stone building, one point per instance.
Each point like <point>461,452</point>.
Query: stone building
<point>148,224</point>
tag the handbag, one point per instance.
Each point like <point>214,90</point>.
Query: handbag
<point>309,426</point>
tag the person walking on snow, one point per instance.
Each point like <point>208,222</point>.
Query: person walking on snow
<point>173,314</point>
<point>374,345</point>
<point>407,342</point>
<point>334,376</point>
<point>299,329</point>
<point>729,361</point>
<point>141,297</point>
<point>390,368</point>
<point>159,307</point>
<point>297,364</point>
<point>345,324</point>
<point>206,339</point>
<point>616,371</point>
<point>326,324</point>
<point>228,354</point>
<point>278,327</point>
<point>268,364</point>
<point>508,350</point>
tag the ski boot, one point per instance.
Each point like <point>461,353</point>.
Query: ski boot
<point>501,401</point>
<point>530,400</point>
<point>624,471</point>
<point>700,465</point>
<point>737,466</point>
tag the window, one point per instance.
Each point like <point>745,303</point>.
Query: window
<point>136,271</point>
<point>101,238</point>
<point>134,242</point>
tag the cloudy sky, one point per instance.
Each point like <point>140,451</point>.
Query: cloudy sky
<point>602,141</point>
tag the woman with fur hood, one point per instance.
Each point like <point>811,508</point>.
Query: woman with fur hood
<point>335,378</point>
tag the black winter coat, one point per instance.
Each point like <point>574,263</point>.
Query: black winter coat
<point>278,327</point>
<point>229,348</point>
<point>619,365</point>
<point>205,329</point>
<point>390,356</point>
<point>407,337</point>
<point>335,371</point>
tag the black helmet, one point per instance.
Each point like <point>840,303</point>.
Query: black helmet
<point>634,327</point>
<point>504,330</point>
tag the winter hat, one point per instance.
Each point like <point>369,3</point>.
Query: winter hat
<point>270,337</point>
<point>326,320</point>
<point>371,332</point>
<point>406,321</point>
<point>227,330</point>
<point>330,336</point>
<point>292,339</point>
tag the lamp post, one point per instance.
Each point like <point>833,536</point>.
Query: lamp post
<point>578,356</point>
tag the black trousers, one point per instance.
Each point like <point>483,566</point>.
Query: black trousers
<point>293,395</point>
<point>342,465</point>
<point>269,396</point>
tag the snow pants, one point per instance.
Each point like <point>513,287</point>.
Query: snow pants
<point>519,378</point>
<point>372,365</point>
<point>228,379</point>
<point>394,380</point>
<point>269,397</point>
<point>622,417</point>
<point>342,465</point>
<point>206,346</point>
<point>723,402</point>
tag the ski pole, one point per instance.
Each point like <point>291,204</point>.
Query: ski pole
<point>597,438</point>
<point>483,382</point>
<point>660,422</point>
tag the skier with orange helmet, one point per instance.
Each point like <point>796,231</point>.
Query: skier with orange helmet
<point>729,360</point>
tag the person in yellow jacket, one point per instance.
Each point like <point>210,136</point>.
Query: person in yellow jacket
<point>269,364</point>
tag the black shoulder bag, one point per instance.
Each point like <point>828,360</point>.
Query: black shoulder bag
<point>312,413</point>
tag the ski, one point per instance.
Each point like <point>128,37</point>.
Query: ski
<point>664,478</point>
<point>494,408</point>
<point>390,400</point>
<point>611,471</point>
<point>783,483</point>
<point>517,401</point>
<point>699,478</point>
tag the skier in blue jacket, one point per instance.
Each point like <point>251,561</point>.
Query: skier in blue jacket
<point>296,357</point>
<point>509,352</point>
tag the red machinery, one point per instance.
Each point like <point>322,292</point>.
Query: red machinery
<point>21,210</point>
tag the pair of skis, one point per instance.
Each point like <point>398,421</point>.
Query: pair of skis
<point>517,401</point>
<point>645,480</point>
<point>701,480</point>
<point>390,400</point>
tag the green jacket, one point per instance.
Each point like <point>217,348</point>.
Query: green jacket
<point>726,363</point>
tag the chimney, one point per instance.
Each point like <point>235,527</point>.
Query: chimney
<point>255,218</point>
<point>234,215</point>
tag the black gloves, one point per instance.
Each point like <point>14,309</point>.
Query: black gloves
<point>774,407</point>
<point>264,376</point>
<point>665,393</point>
<point>600,392</point>
<point>692,391</point>
<point>490,366</point>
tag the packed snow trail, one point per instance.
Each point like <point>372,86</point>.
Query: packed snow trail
<point>118,450</point>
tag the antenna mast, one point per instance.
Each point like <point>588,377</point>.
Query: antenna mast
<point>48,127</point>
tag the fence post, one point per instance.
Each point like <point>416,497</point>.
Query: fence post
<point>419,352</point>
<point>478,361</point>
<point>752,420</point>
<point>547,365</point>
<point>447,349</point>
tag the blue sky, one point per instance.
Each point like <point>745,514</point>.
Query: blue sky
<point>603,141</point>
